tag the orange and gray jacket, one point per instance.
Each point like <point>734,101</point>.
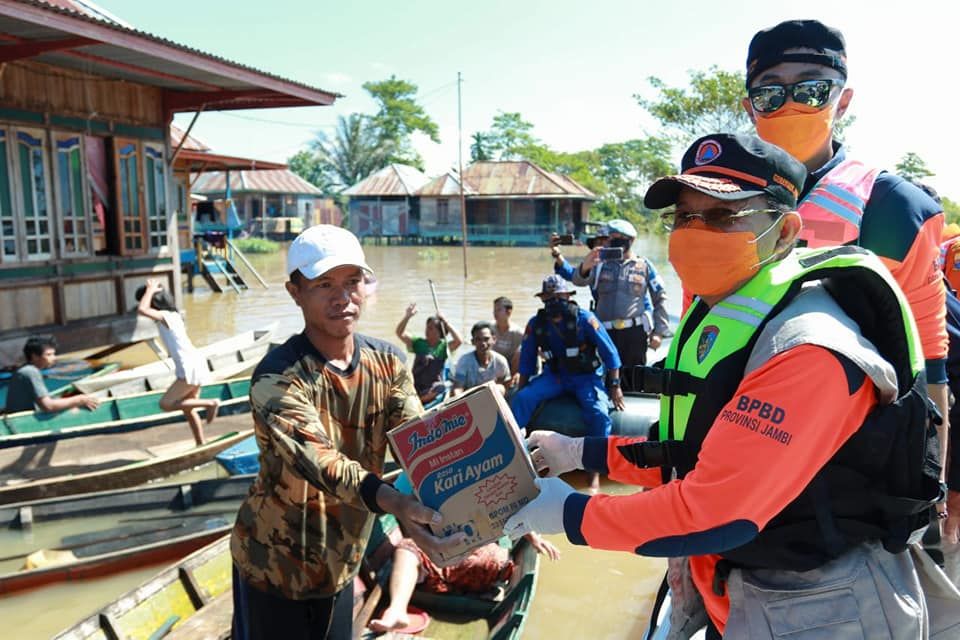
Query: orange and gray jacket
<point>321,430</point>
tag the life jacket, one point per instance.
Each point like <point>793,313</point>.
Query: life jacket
<point>882,481</point>
<point>579,356</point>
<point>833,209</point>
<point>950,262</point>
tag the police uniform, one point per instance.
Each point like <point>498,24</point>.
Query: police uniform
<point>574,349</point>
<point>631,304</point>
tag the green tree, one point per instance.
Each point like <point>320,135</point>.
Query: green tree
<point>308,166</point>
<point>509,135</point>
<point>913,167</point>
<point>399,116</point>
<point>951,210</point>
<point>354,151</point>
<point>480,147</point>
<point>710,104</point>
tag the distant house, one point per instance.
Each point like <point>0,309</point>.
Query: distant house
<point>385,204</point>
<point>260,196</point>
<point>508,202</point>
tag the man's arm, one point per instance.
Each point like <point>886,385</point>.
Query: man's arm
<point>460,375</point>
<point>583,275</point>
<point>401,329</point>
<point>454,339</point>
<point>743,477</point>
<point>528,355</point>
<point>658,296</point>
<point>52,405</point>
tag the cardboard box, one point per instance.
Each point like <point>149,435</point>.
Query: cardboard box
<point>466,459</point>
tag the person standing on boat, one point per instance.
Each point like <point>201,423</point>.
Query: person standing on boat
<point>507,336</point>
<point>631,299</point>
<point>430,352</point>
<point>27,390</point>
<point>794,419</point>
<point>573,344</point>
<point>796,81</point>
<point>189,365</point>
<point>322,403</point>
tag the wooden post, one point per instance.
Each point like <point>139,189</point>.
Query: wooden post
<point>463,204</point>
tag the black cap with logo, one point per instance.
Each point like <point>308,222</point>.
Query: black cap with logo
<point>729,166</point>
<point>823,45</point>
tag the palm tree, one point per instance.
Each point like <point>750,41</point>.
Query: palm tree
<point>355,150</point>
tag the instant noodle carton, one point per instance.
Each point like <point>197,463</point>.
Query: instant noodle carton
<point>467,459</point>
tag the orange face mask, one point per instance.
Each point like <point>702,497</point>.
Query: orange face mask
<point>798,129</point>
<point>711,262</point>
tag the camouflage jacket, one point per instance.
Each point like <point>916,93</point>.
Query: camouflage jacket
<point>302,529</point>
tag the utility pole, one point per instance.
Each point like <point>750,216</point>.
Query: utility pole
<point>463,202</point>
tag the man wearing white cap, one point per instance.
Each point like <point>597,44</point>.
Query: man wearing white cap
<point>631,300</point>
<point>322,403</point>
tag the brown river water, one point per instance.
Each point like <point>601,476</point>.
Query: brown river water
<point>586,594</point>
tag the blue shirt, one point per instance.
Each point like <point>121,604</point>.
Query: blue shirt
<point>589,331</point>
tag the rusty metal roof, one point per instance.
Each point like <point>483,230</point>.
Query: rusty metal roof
<point>282,181</point>
<point>196,157</point>
<point>192,144</point>
<point>521,179</point>
<point>61,33</point>
<point>392,180</point>
<point>446,185</point>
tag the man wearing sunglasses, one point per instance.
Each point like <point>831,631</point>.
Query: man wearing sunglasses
<point>796,75</point>
<point>775,463</point>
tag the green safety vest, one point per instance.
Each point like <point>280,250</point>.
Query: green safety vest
<point>880,484</point>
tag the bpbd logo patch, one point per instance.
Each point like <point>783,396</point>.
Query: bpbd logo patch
<point>707,152</point>
<point>707,338</point>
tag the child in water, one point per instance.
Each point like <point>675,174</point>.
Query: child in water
<point>189,365</point>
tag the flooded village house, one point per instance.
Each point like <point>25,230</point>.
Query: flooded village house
<point>88,200</point>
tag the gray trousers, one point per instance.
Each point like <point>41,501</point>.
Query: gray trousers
<point>867,593</point>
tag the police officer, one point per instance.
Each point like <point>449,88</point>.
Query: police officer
<point>631,300</point>
<point>574,344</point>
<point>795,407</point>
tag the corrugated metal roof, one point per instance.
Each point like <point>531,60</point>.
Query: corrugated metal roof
<point>446,185</point>
<point>521,178</point>
<point>93,42</point>
<point>277,181</point>
<point>392,180</point>
<point>192,144</point>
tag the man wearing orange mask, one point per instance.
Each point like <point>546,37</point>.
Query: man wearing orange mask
<point>779,462</point>
<point>796,84</point>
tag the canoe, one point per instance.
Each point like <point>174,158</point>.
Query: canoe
<point>62,378</point>
<point>192,515</point>
<point>193,599</point>
<point>123,476</point>
<point>225,359</point>
<point>114,415</point>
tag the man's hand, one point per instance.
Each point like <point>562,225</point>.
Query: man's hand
<point>951,526</point>
<point>591,260</point>
<point>411,310</point>
<point>616,397</point>
<point>555,252</point>
<point>544,514</point>
<point>655,341</point>
<point>414,518</point>
<point>542,545</point>
<point>89,402</point>
<point>514,380</point>
<point>555,453</point>
<point>554,240</point>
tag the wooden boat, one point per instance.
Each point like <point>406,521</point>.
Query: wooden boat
<point>193,515</point>
<point>225,359</point>
<point>123,476</point>
<point>193,599</point>
<point>62,379</point>
<point>114,415</point>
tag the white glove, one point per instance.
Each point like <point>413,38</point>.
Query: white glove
<point>544,514</point>
<point>555,452</point>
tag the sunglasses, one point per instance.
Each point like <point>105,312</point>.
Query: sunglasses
<point>811,93</point>
<point>719,219</point>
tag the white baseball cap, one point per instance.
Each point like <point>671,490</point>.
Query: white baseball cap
<point>324,247</point>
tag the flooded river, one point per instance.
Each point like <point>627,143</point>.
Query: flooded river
<point>587,594</point>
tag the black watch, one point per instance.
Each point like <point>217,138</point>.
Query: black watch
<point>613,382</point>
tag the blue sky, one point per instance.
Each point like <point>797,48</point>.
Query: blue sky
<point>570,67</point>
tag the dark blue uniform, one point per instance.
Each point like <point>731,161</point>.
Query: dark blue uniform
<point>562,373</point>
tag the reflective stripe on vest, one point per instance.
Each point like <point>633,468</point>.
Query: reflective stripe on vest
<point>833,209</point>
<point>731,325</point>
